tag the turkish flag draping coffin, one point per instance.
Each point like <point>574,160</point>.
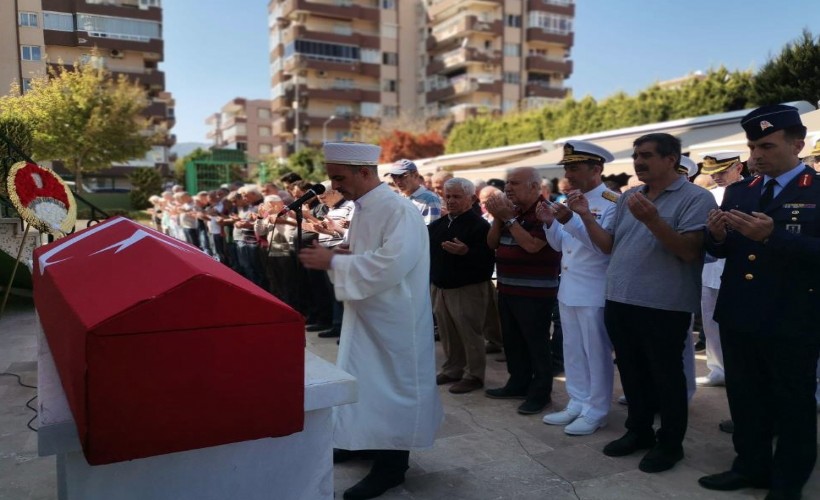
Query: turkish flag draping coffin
<point>162,349</point>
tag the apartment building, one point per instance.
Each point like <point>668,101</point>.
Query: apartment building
<point>245,125</point>
<point>336,61</point>
<point>127,34</point>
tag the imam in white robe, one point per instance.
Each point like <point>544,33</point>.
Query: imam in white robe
<point>387,333</point>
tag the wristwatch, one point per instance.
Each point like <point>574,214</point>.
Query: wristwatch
<point>510,222</point>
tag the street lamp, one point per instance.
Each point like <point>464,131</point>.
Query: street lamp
<point>324,128</point>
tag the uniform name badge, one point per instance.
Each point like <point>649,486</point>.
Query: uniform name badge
<point>793,228</point>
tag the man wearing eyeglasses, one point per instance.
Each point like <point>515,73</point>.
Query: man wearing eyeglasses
<point>406,177</point>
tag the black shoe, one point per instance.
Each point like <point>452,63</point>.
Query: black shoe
<point>532,406</point>
<point>700,346</point>
<point>629,443</point>
<point>318,327</point>
<point>340,455</point>
<point>333,333</point>
<point>729,481</point>
<point>660,459</point>
<point>492,348</point>
<point>504,393</point>
<point>783,495</point>
<point>373,485</point>
<point>727,426</point>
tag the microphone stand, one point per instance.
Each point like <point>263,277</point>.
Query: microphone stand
<point>297,246</point>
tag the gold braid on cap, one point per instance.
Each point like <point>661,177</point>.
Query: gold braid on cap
<point>712,166</point>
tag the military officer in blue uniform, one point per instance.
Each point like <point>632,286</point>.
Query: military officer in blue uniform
<point>768,308</point>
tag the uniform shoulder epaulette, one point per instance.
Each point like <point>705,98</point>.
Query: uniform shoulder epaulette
<point>753,181</point>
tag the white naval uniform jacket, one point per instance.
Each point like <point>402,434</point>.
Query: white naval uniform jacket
<point>583,264</point>
<point>387,332</point>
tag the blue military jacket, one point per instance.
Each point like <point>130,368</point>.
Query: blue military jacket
<point>772,287</point>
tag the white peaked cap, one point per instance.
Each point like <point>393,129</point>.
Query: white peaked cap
<point>351,153</point>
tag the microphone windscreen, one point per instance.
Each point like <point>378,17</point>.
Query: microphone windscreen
<point>318,188</point>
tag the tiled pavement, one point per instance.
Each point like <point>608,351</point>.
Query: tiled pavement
<point>485,449</point>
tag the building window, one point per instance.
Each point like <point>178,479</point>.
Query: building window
<point>28,19</point>
<point>390,31</point>
<point>58,22</point>
<point>390,59</point>
<point>118,27</point>
<point>343,83</point>
<point>512,50</point>
<point>370,109</point>
<point>263,113</point>
<point>344,111</point>
<point>512,20</point>
<point>30,53</point>
<point>342,29</point>
<point>265,149</point>
<point>389,85</point>
<point>264,131</point>
<point>26,85</point>
<point>508,106</point>
<point>388,4</point>
<point>322,51</point>
<point>371,56</point>
<point>550,23</point>
<point>512,77</point>
<point>390,111</point>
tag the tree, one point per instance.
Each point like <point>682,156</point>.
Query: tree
<point>794,75</point>
<point>401,144</point>
<point>145,183</point>
<point>308,163</point>
<point>84,117</point>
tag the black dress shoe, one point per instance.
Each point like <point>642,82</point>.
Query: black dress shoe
<point>729,481</point>
<point>783,495</point>
<point>727,426</point>
<point>505,393</point>
<point>373,485</point>
<point>533,406</point>
<point>629,443</point>
<point>660,459</point>
<point>340,455</point>
<point>333,333</point>
<point>318,327</point>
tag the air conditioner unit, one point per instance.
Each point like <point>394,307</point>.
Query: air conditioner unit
<point>116,54</point>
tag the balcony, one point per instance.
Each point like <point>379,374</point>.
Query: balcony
<point>129,11</point>
<point>152,79</point>
<point>156,110</point>
<point>546,65</point>
<point>347,12</point>
<point>460,26</point>
<point>461,57</point>
<point>552,7</point>
<point>300,62</point>
<point>359,39</point>
<point>462,86</point>
<point>539,35</point>
<point>537,89</point>
<point>442,6</point>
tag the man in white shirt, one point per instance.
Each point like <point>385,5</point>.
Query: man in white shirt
<point>587,348</point>
<point>387,331</point>
<point>724,167</point>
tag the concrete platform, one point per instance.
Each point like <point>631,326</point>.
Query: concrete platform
<point>485,450</point>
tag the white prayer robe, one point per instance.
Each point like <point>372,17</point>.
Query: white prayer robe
<point>387,333</point>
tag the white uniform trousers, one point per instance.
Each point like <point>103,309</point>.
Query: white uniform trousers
<point>714,352</point>
<point>689,361</point>
<point>588,365</point>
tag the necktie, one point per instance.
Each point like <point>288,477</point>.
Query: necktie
<point>768,193</point>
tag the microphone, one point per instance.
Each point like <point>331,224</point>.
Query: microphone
<point>314,190</point>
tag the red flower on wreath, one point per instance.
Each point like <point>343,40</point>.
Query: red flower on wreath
<point>32,182</point>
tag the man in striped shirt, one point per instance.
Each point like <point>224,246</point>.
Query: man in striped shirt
<point>406,176</point>
<point>528,272</point>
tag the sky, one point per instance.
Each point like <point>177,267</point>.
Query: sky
<point>216,50</point>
